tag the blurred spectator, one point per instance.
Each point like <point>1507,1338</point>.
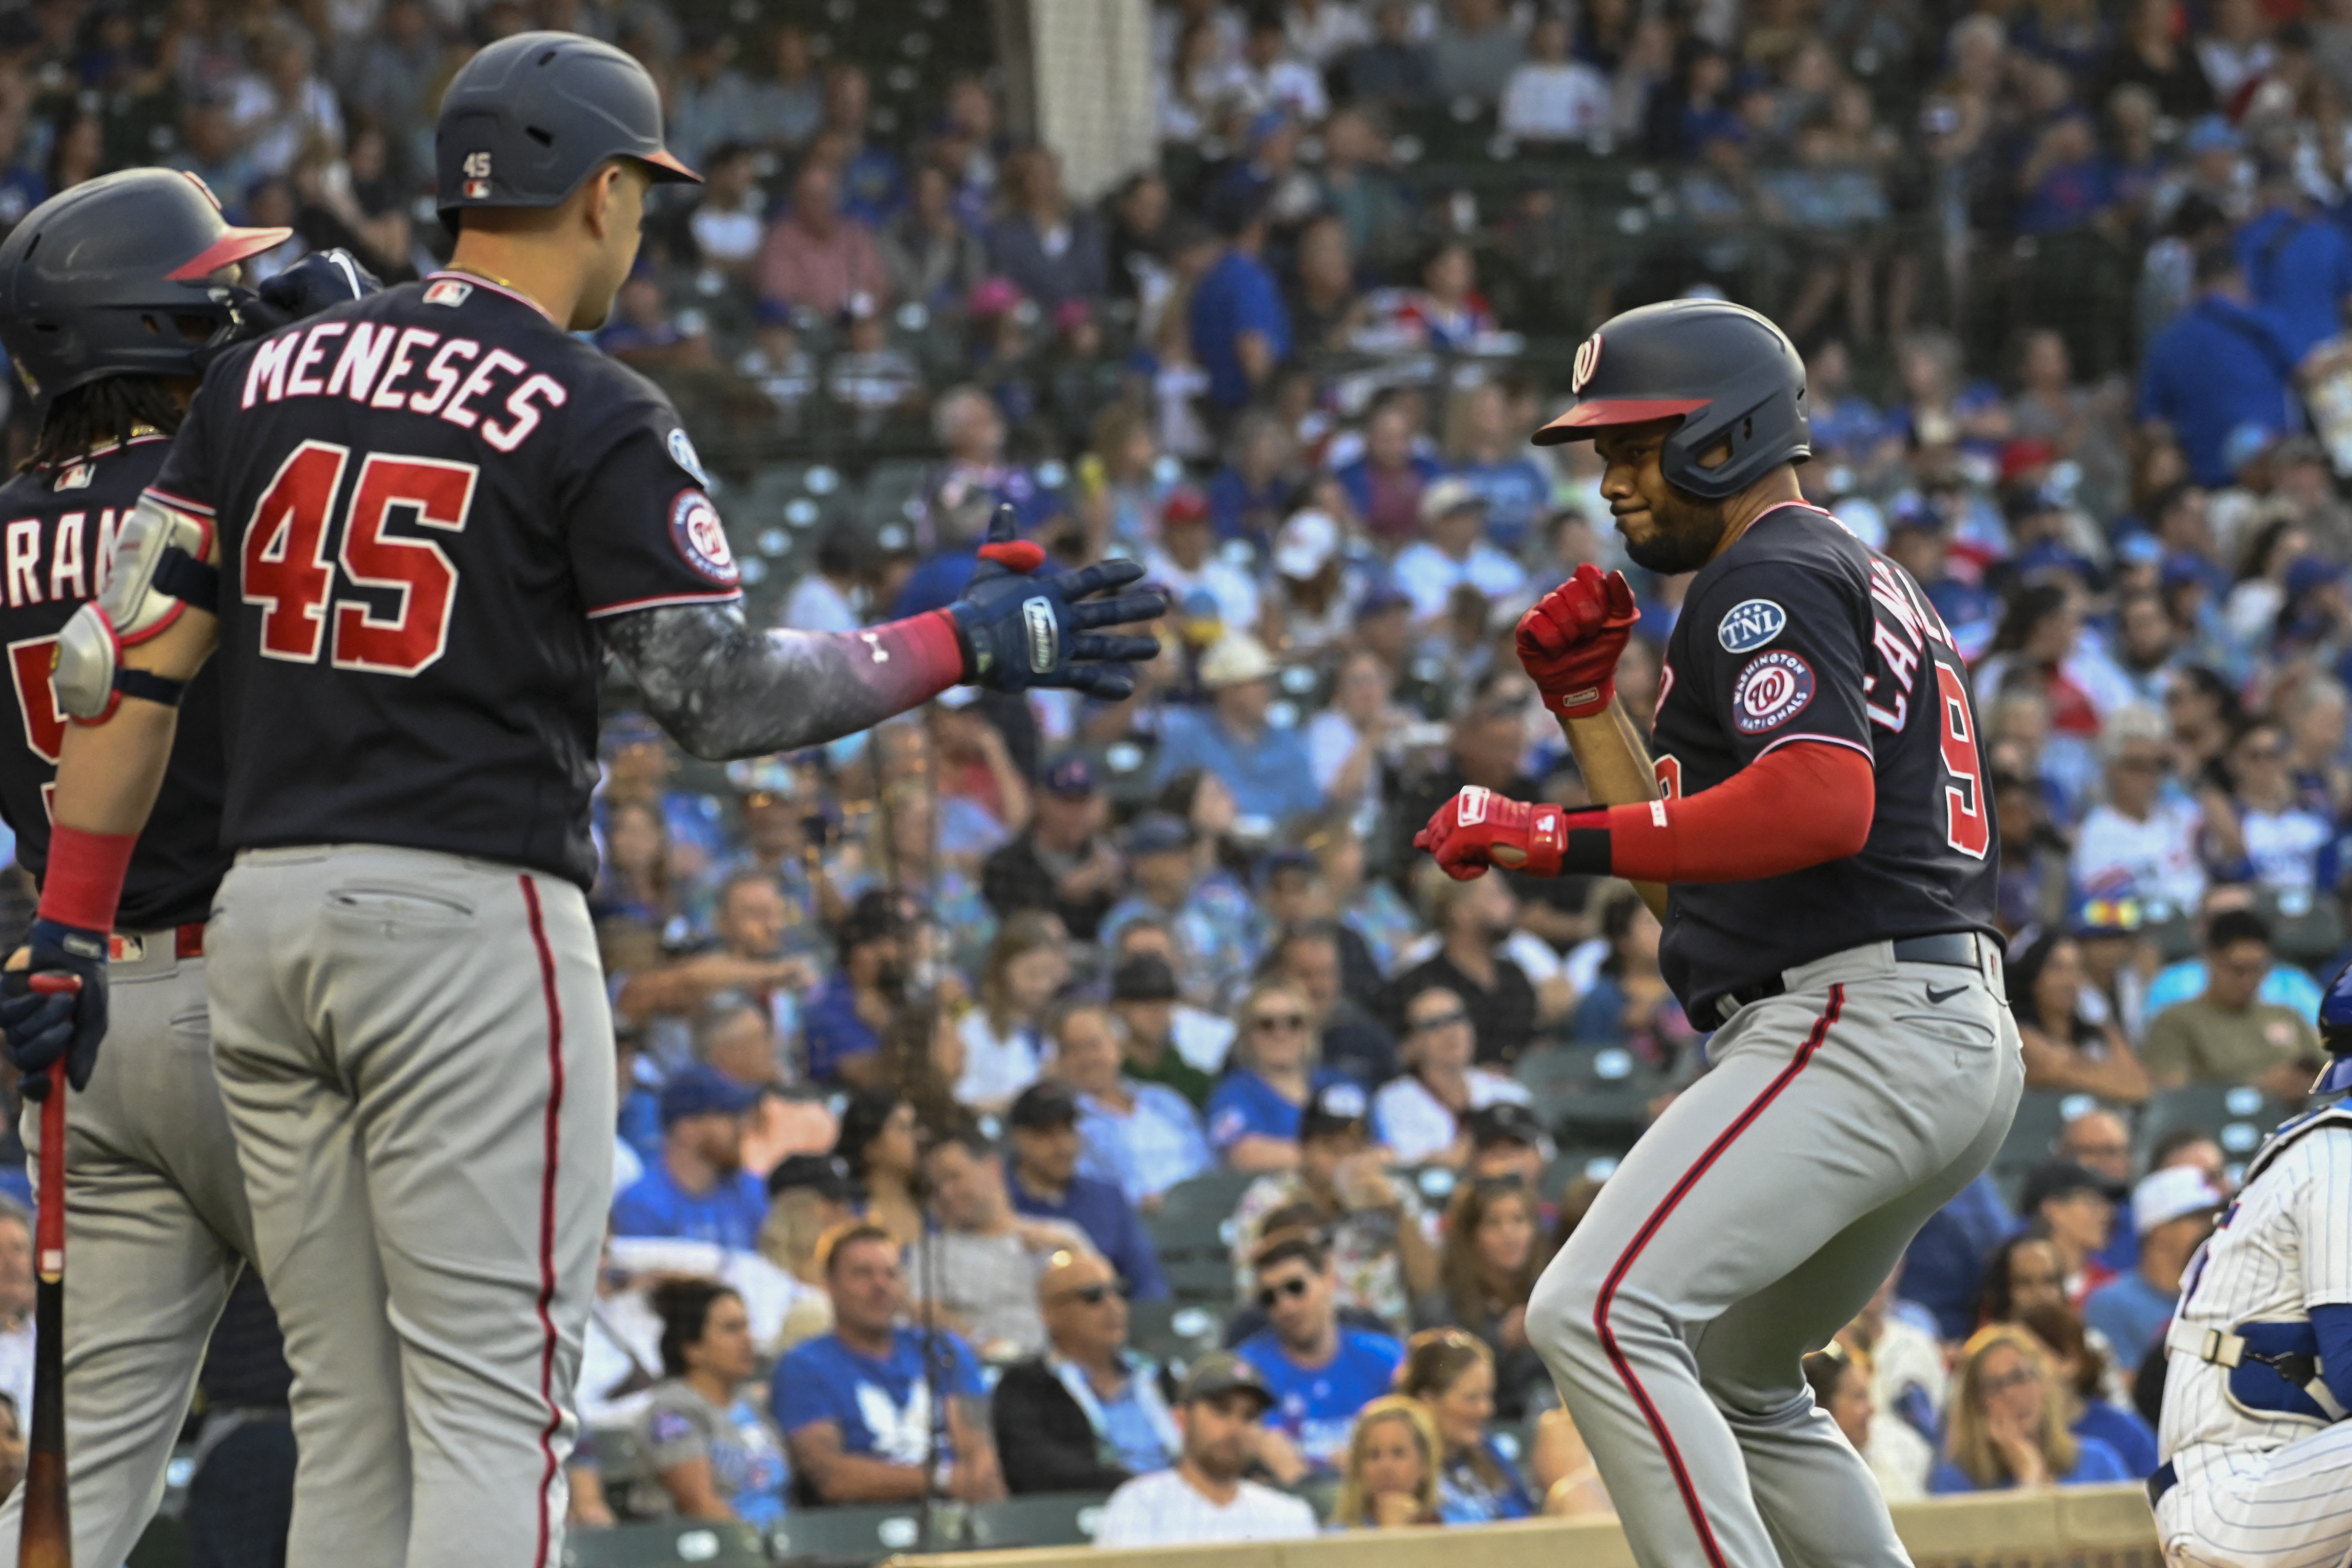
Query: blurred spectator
<point>1507,1143</point>
<point>808,1195</point>
<point>710,100</point>
<point>1385,484</point>
<point>1454,551</point>
<point>2071,1209</point>
<point>1629,1003</point>
<point>1326,308</point>
<point>1447,313</point>
<point>1359,187</point>
<point>2021,1272</point>
<point>1004,1039</point>
<point>1902,1366</point>
<point>1208,594</point>
<point>1143,1002</point>
<point>1090,1414</point>
<point>878,1144</point>
<point>1841,1388</point>
<point>2151,53</point>
<point>1204,1500</point>
<point>2080,1368</point>
<point>850,1013</point>
<point>1252,493</point>
<point>1178,884</point>
<point>1320,1374</point>
<point>928,255</point>
<point>1484,446</point>
<point>1474,51</point>
<point>1347,742</point>
<point>643,332</point>
<point>872,380</point>
<point>1453,1375</point>
<point>1265,767</point>
<point>714,1454</point>
<point>1471,919</point>
<point>2223,364</point>
<point>2262,824</point>
<point>855,1404</point>
<point>872,180</point>
<point>2140,837</point>
<point>2066,1048</point>
<point>977,1268</point>
<point>1488,1269</point>
<point>1143,1137</point>
<point>1254,1114</point>
<point>1203,1039</point>
<point>2285,985</point>
<point>786,104</point>
<point>1380,1238</point>
<point>2229,1035</point>
<point>1389,1477</point>
<point>1422,1116</point>
<point>1551,98</point>
<point>1050,250</point>
<point>1392,72</point>
<point>1061,863</point>
<point>2008,1429</point>
<point>698,1190</point>
<point>1271,80</point>
<point>1045,1185</point>
<point>1239,331</point>
<point>816,257</point>
<point>2172,1213</point>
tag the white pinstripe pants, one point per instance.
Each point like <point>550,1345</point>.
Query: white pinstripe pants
<point>2289,1507</point>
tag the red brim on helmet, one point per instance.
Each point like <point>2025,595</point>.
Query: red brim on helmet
<point>234,245</point>
<point>1598,414</point>
<point>669,166</point>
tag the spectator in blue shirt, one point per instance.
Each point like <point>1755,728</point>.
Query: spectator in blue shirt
<point>1142,1138</point>
<point>714,1452</point>
<point>2298,265</point>
<point>1259,1106</point>
<point>851,1011</point>
<point>1944,1268</point>
<point>855,1405</point>
<point>1319,1372</point>
<point>1045,1185</point>
<point>1050,250</point>
<point>2172,1211</point>
<point>2008,1429</point>
<point>698,1189</point>
<point>2081,1370</point>
<point>1241,330</point>
<point>2225,362</point>
<point>1267,769</point>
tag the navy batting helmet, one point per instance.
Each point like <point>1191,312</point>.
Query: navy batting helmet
<point>113,278</point>
<point>1730,375</point>
<point>531,117</point>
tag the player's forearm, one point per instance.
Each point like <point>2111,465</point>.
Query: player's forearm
<point>722,690</point>
<point>1617,770</point>
<point>109,774</point>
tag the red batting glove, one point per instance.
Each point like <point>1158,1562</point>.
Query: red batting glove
<point>1478,828</point>
<point>1571,641</point>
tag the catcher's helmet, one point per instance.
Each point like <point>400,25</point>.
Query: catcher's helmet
<point>529,118</point>
<point>111,277</point>
<point>1731,376</point>
<point>2335,1034</point>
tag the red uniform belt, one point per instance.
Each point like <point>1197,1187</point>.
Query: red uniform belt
<point>130,946</point>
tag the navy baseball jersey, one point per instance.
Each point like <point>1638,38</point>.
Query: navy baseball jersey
<point>57,527</point>
<point>1802,632</point>
<point>425,500</point>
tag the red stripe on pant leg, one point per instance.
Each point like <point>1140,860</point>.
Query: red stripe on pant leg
<point>1650,1227</point>
<point>547,1213</point>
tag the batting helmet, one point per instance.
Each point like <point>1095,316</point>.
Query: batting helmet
<point>1730,375</point>
<point>531,117</point>
<point>112,277</point>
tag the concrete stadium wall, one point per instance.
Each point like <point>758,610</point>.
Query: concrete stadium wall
<point>2074,1526</point>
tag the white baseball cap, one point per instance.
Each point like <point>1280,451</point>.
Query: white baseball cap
<point>2174,1192</point>
<point>1237,658</point>
<point>1450,494</point>
<point>1306,543</point>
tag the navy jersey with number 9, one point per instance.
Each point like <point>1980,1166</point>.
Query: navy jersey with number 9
<point>1800,632</point>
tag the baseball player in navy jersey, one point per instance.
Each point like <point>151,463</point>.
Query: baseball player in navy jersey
<point>2258,1368</point>
<point>1816,836</point>
<point>156,1218</point>
<point>426,517</point>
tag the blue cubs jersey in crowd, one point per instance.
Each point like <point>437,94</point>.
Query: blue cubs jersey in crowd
<point>729,1215</point>
<point>1316,1407</point>
<point>883,1408</point>
<point>1243,1103</point>
<point>1802,632</point>
<point>426,499</point>
<point>57,527</point>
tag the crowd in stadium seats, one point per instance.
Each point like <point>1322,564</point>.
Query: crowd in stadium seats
<point>987,1075</point>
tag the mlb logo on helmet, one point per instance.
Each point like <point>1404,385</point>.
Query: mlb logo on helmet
<point>478,177</point>
<point>702,538</point>
<point>1588,360</point>
<point>1750,624</point>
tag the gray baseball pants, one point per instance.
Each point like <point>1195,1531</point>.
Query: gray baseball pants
<point>156,1230</point>
<point>1751,1224</point>
<point>416,1056</point>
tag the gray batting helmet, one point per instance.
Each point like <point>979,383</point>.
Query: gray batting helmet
<point>529,118</point>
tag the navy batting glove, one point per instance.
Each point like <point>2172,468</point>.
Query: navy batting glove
<point>55,1008</point>
<point>319,282</point>
<point>1022,628</point>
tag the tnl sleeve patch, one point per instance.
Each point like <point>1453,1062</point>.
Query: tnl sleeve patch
<point>1772,689</point>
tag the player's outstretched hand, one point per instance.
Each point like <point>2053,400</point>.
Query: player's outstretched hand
<point>1569,642</point>
<point>1478,828</point>
<point>1023,626</point>
<point>54,1008</point>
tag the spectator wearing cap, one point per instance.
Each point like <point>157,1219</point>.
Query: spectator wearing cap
<point>1142,1138</point>
<point>980,1274</point>
<point>1205,1499</point>
<point>1091,1413</point>
<point>816,257</point>
<point>1381,1240</point>
<point>2073,1210</point>
<point>1240,329</point>
<point>1422,1117</point>
<point>1319,1371</point>
<point>1508,1143</point>
<point>1253,1115</point>
<point>848,1016</point>
<point>1144,1007</point>
<point>1320,958</point>
<point>855,1404</point>
<point>1206,592</point>
<point>2142,836</point>
<point>2225,362</point>
<point>1045,1185</point>
<point>1209,923</point>
<point>1316,590</point>
<point>2172,1213</point>
<point>1266,768</point>
<point>698,1190</point>
<point>2230,1034</point>
<point>1062,862</point>
<point>1049,249</point>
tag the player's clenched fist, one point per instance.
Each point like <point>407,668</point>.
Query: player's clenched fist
<point>1478,828</point>
<point>1569,642</point>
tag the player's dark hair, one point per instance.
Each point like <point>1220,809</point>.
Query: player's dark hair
<point>2233,926</point>
<point>684,1307</point>
<point>102,413</point>
<point>1995,1304</point>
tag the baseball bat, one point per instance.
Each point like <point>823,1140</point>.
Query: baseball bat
<point>46,1539</point>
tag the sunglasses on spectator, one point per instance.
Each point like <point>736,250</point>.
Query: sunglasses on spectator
<point>1996,1387</point>
<point>1096,1295</point>
<point>1294,1287</point>
<point>1285,1021</point>
<point>1442,1021</point>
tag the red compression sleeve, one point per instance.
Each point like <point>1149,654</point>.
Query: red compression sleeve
<point>1794,807</point>
<point>83,882</point>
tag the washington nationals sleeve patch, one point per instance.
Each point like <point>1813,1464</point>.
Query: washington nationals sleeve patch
<point>695,529</point>
<point>1773,689</point>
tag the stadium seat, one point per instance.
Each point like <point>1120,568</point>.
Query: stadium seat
<point>1046,1519</point>
<point>667,1543</point>
<point>1595,1096</point>
<point>1190,1232</point>
<point>1174,1333</point>
<point>2041,1115</point>
<point>862,1533</point>
<point>2237,1116</point>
